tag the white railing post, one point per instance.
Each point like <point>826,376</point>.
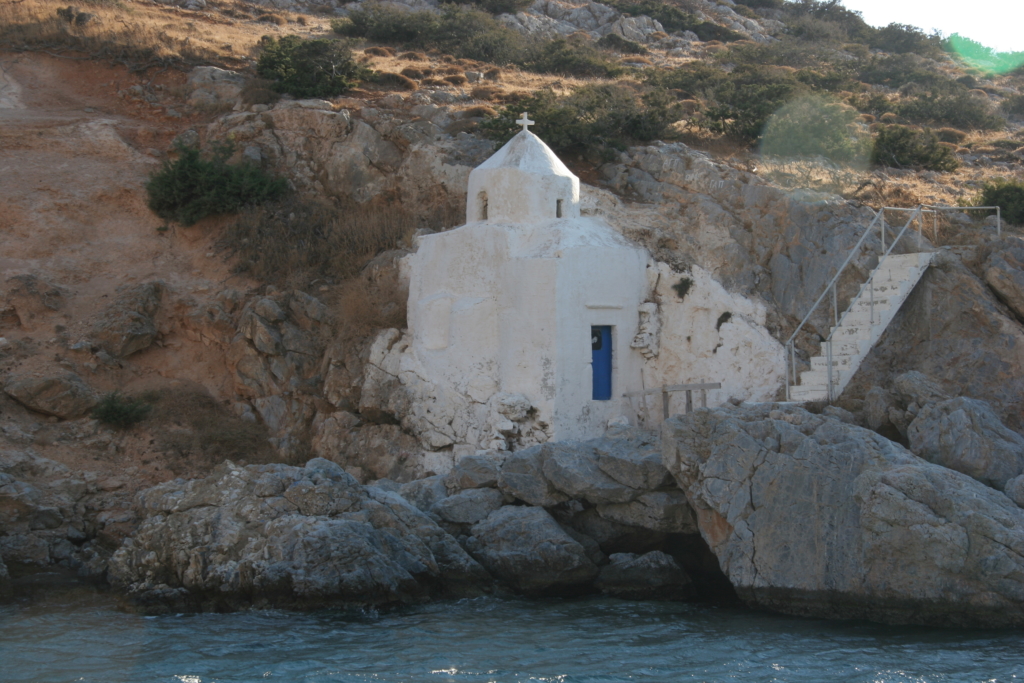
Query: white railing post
<point>882,228</point>
<point>999,222</point>
<point>835,305</point>
<point>828,351</point>
<point>871,294</point>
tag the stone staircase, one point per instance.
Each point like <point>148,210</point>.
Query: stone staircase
<point>861,326</point>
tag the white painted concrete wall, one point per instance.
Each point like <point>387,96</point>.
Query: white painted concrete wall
<point>500,307</point>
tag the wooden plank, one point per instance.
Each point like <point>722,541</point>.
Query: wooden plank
<point>676,387</point>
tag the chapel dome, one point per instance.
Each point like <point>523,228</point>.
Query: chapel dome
<point>527,153</point>
<point>523,182</point>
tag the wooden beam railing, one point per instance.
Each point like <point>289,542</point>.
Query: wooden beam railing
<point>688,388</point>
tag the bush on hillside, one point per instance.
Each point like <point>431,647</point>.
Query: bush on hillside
<point>573,57</point>
<point>743,104</point>
<point>463,32</point>
<point>902,38</point>
<point>814,126</point>
<point>901,146</point>
<point>595,119</point>
<point>503,6</point>
<point>308,68</point>
<point>830,11</point>
<point>1013,105</point>
<point>673,18</point>
<point>120,411</point>
<point>192,187</point>
<point>895,71</point>
<point>962,111</point>
<point>613,41</point>
<point>1008,196</point>
<point>304,239</point>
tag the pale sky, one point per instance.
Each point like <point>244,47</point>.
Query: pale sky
<point>997,24</point>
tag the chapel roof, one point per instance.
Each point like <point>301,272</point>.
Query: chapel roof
<point>528,153</point>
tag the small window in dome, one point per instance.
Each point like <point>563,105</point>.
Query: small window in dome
<point>481,201</point>
<point>558,208</point>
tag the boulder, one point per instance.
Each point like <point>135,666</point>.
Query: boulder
<point>652,576</point>
<point>474,472</point>
<point>424,493</point>
<point>1014,490</point>
<point>666,511</point>
<point>286,536</point>
<point>32,299</point>
<point>522,477</point>
<point>525,548</point>
<point>127,325</point>
<point>213,87</point>
<point>572,468</point>
<point>964,434</point>
<point>633,460</point>
<point>1004,273</point>
<point>469,506</point>
<point>65,395</point>
<point>914,387</point>
<point>811,516</point>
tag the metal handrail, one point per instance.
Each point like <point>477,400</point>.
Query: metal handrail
<point>791,375</point>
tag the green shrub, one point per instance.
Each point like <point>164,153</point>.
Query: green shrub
<point>959,111</point>
<point>758,4</point>
<point>848,21</point>
<point>902,38</point>
<point>902,146</point>
<point>307,238</point>
<point>613,41</point>
<point>463,32</point>
<point>1013,105</point>
<point>815,126</point>
<point>117,410</point>
<point>896,71</point>
<point>503,6</point>
<point>595,119</point>
<point>573,57</point>
<point>743,104</point>
<point>1008,196</point>
<point>191,187</point>
<point>308,68</point>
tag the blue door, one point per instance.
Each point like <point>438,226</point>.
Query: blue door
<point>601,343</point>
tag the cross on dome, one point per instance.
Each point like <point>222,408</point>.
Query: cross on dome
<point>525,122</point>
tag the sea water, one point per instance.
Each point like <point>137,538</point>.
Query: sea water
<point>82,636</point>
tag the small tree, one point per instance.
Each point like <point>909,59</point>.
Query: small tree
<point>903,146</point>
<point>308,68</point>
<point>191,187</point>
<point>1008,196</point>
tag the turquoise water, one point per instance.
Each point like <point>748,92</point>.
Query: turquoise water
<point>80,636</point>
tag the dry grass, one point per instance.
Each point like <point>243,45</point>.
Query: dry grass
<point>143,35</point>
<point>299,240</point>
<point>364,305</point>
<point>200,432</point>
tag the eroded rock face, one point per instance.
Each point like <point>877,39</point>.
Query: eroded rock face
<point>811,516</point>
<point>288,536</point>
<point>127,325</point>
<point>63,395</point>
<point>525,548</point>
<point>653,575</point>
<point>965,435</point>
<point>1004,273</point>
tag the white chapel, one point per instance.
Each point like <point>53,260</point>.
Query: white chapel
<point>530,298</point>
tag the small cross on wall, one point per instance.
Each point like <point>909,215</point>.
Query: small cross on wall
<point>525,122</point>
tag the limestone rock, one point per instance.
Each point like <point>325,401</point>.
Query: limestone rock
<point>634,461</point>
<point>666,511</point>
<point>65,395</point>
<point>915,387</point>
<point>425,493</point>
<point>286,536</point>
<point>1004,273</point>
<point>522,477</point>
<point>572,468</point>
<point>653,575</point>
<point>525,548</point>
<point>127,325</point>
<point>1014,490</point>
<point>474,472</point>
<point>469,506</point>
<point>32,298</point>
<point>965,435</point>
<point>812,516</point>
<point>213,87</point>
